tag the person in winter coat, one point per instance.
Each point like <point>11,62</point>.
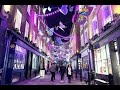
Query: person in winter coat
<point>52,70</point>
<point>62,72</point>
<point>69,73</point>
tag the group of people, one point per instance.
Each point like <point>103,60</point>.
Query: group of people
<point>62,70</point>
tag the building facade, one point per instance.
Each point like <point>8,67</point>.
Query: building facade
<point>23,47</point>
<point>100,42</point>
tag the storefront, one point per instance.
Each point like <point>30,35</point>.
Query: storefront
<point>19,64</point>
<point>107,54</point>
<point>102,62</point>
<point>35,65</point>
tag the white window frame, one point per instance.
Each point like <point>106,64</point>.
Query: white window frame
<point>18,19</point>
<point>97,30</point>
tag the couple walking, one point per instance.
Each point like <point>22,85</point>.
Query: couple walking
<point>62,71</point>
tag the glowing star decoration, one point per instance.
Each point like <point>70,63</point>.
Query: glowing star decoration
<point>59,40</point>
<point>61,28</point>
<point>44,10</point>
<point>50,32</point>
<point>62,25</point>
<point>49,9</point>
<point>64,9</point>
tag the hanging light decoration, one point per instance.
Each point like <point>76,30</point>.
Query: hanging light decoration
<point>49,9</point>
<point>64,9</point>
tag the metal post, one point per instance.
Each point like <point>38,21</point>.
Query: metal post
<point>77,66</point>
<point>89,69</point>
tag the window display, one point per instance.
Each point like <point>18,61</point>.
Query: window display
<point>102,60</point>
<point>34,61</point>
<point>19,59</point>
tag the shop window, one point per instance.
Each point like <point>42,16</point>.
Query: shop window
<point>19,59</point>
<point>18,19</point>
<point>26,29</point>
<point>102,60</point>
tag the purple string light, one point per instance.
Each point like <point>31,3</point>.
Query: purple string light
<point>49,14</point>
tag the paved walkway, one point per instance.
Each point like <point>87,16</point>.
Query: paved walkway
<point>46,81</point>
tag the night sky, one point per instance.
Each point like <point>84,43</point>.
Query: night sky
<point>54,20</point>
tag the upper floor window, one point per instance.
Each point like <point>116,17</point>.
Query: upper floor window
<point>26,29</point>
<point>35,18</point>
<point>86,35</point>
<point>28,9</point>
<point>94,26</point>
<point>82,40</point>
<point>18,18</point>
<point>107,14</point>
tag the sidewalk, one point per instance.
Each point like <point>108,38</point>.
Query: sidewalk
<point>47,81</point>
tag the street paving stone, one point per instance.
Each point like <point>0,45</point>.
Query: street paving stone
<point>47,81</point>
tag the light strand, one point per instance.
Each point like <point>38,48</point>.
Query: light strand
<point>63,37</point>
<point>50,14</point>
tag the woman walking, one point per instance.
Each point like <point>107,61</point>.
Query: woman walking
<point>69,73</point>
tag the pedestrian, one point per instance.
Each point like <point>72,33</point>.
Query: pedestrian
<point>69,72</point>
<point>52,70</point>
<point>62,72</point>
<point>57,68</point>
<point>110,79</point>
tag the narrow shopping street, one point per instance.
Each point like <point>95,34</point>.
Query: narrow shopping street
<point>80,41</point>
<point>46,81</point>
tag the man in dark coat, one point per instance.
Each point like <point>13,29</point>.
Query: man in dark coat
<point>62,72</point>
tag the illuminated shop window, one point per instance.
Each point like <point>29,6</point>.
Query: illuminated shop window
<point>18,18</point>
<point>102,60</point>
<point>28,9</point>
<point>26,29</point>
<point>19,59</point>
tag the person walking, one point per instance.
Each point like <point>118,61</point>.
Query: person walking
<point>62,72</point>
<point>52,70</point>
<point>69,72</point>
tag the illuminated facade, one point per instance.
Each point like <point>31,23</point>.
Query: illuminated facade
<point>24,58</point>
<point>98,44</point>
